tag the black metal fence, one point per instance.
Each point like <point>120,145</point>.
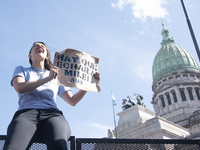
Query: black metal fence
<point>136,144</point>
<point>39,145</point>
<point>121,144</point>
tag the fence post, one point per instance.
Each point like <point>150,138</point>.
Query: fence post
<point>72,141</point>
<point>78,144</point>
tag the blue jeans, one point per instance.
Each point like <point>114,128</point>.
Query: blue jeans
<point>29,125</point>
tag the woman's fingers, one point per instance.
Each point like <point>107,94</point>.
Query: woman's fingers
<point>97,75</point>
<point>53,72</point>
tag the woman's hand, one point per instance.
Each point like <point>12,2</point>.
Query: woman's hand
<point>53,73</point>
<point>74,99</point>
<point>97,75</point>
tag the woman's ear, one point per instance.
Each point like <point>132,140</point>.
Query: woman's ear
<point>29,55</point>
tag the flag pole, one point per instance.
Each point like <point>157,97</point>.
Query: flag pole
<point>191,30</point>
<point>114,114</point>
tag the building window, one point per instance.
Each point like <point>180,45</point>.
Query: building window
<point>168,99</point>
<point>190,94</point>
<point>174,96</point>
<point>156,101</point>
<point>197,93</point>
<point>162,100</point>
<point>183,95</point>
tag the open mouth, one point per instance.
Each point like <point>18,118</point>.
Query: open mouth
<point>40,50</point>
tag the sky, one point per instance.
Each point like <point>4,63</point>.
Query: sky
<point>124,34</point>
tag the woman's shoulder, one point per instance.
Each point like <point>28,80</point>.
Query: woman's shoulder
<point>21,68</point>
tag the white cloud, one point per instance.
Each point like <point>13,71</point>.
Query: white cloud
<point>141,9</point>
<point>120,4</point>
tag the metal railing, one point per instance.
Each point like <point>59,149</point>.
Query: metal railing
<point>121,144</point>
<point>136,144</point>
<point>39,145</point>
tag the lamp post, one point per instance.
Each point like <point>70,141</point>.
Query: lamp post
<point>191,30</point>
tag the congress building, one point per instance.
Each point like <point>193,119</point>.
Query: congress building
<point>176,99</point>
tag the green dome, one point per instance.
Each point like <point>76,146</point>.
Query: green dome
<point>172,59</point>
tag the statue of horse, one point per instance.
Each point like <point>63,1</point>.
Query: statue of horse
<point>131,101</point>
<point>125,104</point>
<point>139,99</point>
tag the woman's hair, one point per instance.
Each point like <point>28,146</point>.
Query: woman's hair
<point>47,62</point>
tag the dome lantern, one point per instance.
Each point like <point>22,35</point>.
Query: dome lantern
<point>165,34</point>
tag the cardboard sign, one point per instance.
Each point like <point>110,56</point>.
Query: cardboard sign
<point>76,69</point>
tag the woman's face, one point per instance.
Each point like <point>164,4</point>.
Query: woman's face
<point>38,52</point>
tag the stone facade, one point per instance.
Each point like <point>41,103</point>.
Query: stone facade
<point>138,122</point>
<point>176,97</point>
<point>194,125</point>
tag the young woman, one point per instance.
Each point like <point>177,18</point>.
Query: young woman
<point>38,115</point>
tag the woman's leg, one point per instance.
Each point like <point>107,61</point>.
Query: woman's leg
<point>56,132</point>
<point>21,130</point>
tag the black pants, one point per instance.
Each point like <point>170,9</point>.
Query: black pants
<point>30,124</point>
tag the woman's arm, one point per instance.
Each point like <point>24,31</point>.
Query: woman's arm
<point>74,99</point>
<point>21,86</point>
